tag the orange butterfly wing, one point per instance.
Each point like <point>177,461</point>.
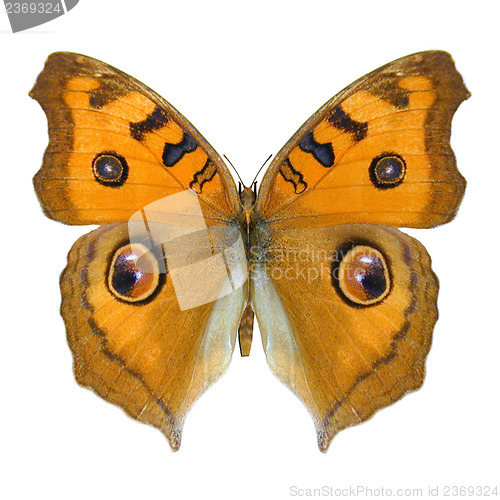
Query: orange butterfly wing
<point>344,360</point>
<point>149,357</point>
<point>115,146</point>
<point>378,152</point>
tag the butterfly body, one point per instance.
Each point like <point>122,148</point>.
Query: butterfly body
<point>345,302</point>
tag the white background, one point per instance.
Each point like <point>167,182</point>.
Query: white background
<point>247,74</point>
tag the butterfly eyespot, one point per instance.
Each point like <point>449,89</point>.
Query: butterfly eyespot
<point>387,171</point>
<point>134,274</point>
<point>110,169</point>
<point>363,276</point>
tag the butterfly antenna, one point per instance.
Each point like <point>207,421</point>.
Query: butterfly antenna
<point>263,165</point>
<point>229,161</point>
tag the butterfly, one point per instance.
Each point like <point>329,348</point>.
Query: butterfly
<point>346,303</point>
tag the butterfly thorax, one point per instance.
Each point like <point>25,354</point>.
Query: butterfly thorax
<point>248,197</point>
